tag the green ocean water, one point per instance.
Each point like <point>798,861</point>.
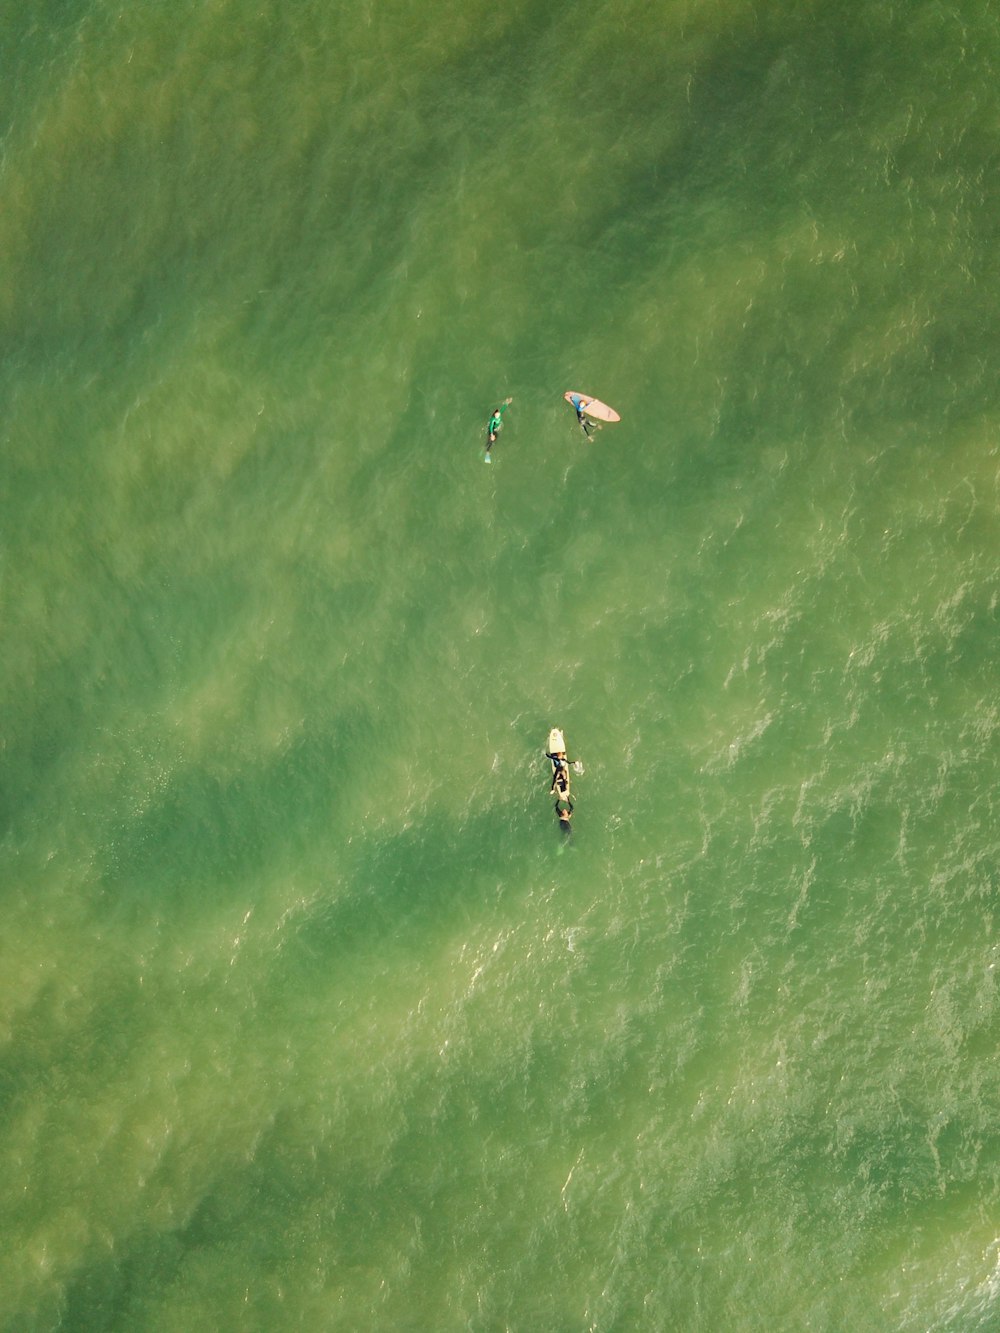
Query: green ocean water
<point>308,1017</point>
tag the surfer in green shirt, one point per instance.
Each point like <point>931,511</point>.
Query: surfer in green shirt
<point>495,425</point>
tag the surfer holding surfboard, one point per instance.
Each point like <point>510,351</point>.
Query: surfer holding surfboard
<point>590,412</point>
<point>580,403</point>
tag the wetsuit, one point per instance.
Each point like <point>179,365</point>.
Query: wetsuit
<point>494,425</point>
<point>564,809</point>
<point>560,770</point>
<point>580,403</point>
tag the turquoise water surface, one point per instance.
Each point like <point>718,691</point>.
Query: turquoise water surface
<point>309,1019</point>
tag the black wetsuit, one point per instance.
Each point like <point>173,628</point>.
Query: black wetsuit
<point>560,768</point>
<point>564,810</point>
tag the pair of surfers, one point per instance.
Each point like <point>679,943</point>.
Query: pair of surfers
<point>495,423</point>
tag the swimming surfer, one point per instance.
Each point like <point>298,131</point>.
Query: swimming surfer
<point>495,425</point>
<point>564,810</point>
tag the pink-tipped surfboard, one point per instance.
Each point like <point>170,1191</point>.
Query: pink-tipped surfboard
<point>591,407</point>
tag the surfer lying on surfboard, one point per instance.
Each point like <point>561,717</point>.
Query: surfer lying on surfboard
<point>560,771</point>
<point>495,425</point>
